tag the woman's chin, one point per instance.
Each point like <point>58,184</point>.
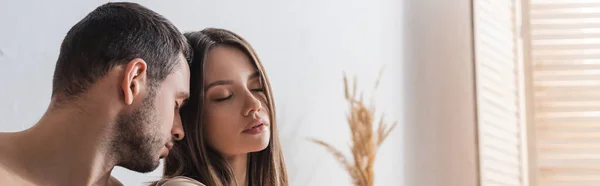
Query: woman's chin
<point>260,143</point>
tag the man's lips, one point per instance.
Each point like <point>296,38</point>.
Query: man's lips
<point>169,145</point>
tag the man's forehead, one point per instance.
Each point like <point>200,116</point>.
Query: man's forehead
<point>183,62</point>
<point>179,79</point>
<point>181,70</point>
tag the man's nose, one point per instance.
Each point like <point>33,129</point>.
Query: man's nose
<point>177,130</point>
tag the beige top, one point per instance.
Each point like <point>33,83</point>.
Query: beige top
<point>178,181</point>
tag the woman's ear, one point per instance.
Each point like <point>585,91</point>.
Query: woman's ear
<point>134,80</point>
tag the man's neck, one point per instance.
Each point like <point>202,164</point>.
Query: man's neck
<point>239,164</point>
<point>68,146</point>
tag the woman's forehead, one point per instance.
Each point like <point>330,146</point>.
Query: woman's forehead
<point>228,62</point>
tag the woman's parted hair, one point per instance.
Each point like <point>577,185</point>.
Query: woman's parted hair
<point>191,157</point>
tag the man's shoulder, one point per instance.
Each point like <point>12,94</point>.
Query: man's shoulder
<point>7,174</point>
<point>7,141</point>
<point>8,177</point>
<point>5,154</point>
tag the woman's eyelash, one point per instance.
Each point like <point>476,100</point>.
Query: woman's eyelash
<point>262,89</point>
<point>259,89</point>
<point>225,98</point>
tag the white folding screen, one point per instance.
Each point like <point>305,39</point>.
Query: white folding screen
<point>497,89</point>
<point>564,49</point>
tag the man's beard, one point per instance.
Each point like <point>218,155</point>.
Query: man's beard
<point>138,139</point>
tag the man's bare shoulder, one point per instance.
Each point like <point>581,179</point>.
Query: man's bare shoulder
<point>7,144</point>
<point>5,177</point>
<point>8,177</point>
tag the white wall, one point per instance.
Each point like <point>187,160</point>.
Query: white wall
<point>440,128</point>
<point>305,46</point>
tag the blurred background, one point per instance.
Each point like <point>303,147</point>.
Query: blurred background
<point>305,46</point>
<point>486,92</point>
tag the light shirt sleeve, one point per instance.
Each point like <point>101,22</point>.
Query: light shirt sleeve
<point>178,181</point>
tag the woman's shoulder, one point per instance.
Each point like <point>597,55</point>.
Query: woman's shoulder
<point>178,181</point>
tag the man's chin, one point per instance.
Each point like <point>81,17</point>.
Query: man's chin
<point>143,167</point>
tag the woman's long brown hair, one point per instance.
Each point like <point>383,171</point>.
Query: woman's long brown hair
<point>191,157</point>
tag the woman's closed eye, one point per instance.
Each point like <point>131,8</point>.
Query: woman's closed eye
<point>224,98</point>
<point>231,95</point>
<point>261,89</point>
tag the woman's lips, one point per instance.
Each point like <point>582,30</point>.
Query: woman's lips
<point>256,127</point>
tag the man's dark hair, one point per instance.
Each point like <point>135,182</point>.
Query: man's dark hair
<point>111,35</point>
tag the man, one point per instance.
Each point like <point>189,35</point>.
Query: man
<point>120,78</point>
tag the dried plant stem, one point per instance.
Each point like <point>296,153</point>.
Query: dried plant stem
<point>365,142</point>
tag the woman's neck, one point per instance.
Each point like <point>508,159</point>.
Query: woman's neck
<point>239,164</point>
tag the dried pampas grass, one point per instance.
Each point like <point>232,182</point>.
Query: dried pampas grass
<point>365,141</point>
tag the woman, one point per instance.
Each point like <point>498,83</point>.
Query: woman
<point>231,133</point>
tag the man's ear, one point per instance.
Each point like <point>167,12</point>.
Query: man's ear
<point>134,80</point>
